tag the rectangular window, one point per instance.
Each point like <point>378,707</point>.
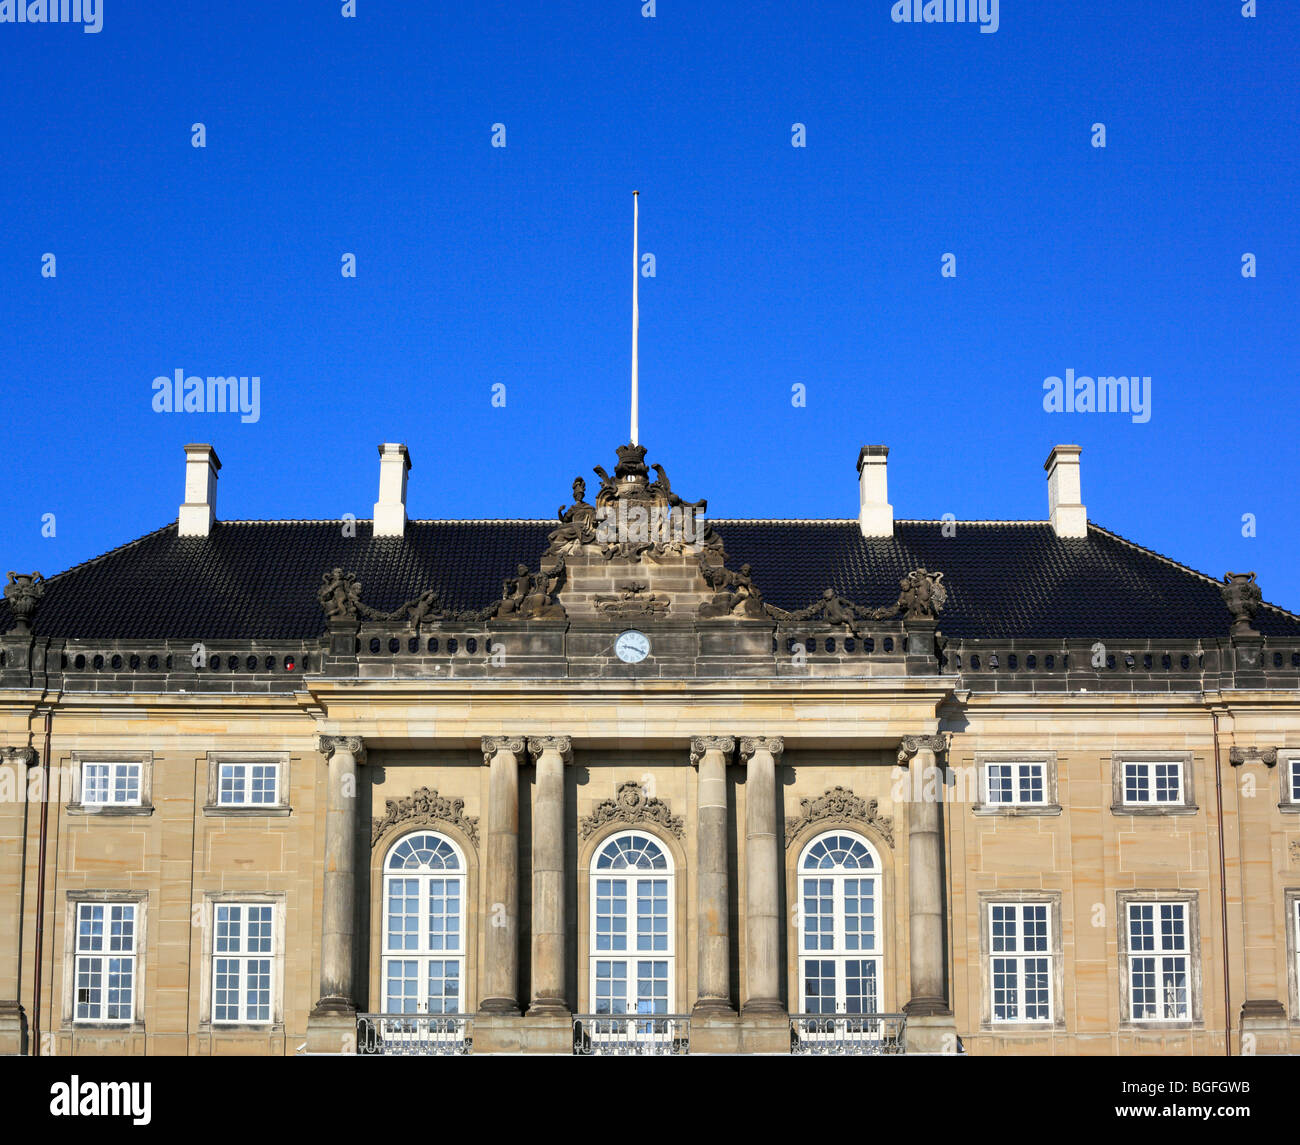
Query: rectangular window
<point>105,962</point>
<point>246,784</point>
<point>1158,962</point>
<point>1153,783</point>
<point>1016,784</point>
<point>1020,969</point>
<point>242,953</point>
<point>1295,779</point>
<point>111,784</point>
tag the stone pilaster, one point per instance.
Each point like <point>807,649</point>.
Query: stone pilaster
<point>13,825</point>
<point>762,877</point>
<point>930,1024</point>
<point>331,1026</point>
<point>709,754</point>
<point>501,756</point>
<point>548,944</point>
<point>1263,1016</point>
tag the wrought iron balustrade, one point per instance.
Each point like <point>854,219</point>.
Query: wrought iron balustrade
<point>415,1035</point>
<point>848,1034</point>
<point>653,1035</point>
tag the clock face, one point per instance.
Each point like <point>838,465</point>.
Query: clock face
<point>632,647</point>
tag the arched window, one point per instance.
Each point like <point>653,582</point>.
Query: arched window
<point>839,932</point>
<point>424,926</point>
<point>632,940</point>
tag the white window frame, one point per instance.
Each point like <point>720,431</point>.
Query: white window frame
<point>424,952</point>
<point>208,1022</point>
<point>1019,956</point>
<point>218,761</point>
<point>1019,763</point>
<point>1289,765</point>
<point>1147,762</point>
<point>138,903</point>
<point>630,955</point>
<point>1160,954</point>
<point>1019,771</point>
<point>96,961</point>
<point>1147,772</point>
<point>1291,898</point>
<point>839,953</point>
<point>115,764</point>
<point>241,914</point>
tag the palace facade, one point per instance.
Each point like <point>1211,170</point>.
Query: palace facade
<point>638,780</point>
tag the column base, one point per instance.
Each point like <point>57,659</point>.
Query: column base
<point>501,1007</point>
<point>715,1029</point>
<point>1264,1022</point>
<point>550,1033</point>
<point>764,1030</point>
<point>931,1033</point>
<point>13,1029</point>
<point>332,1027</point>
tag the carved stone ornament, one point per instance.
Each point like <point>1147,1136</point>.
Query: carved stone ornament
<point>328,745</point>
<point>701,744</point>
<point>530,596</point>
<point>751,744</point>
<point>24,592</point>
<point>340,596</point>
<point>921,596</point>
<point>1295,852</point>
<point>632,515</point>
<point>1242,596</point>
<point>734,593</point>
<point>1266,755</point>
<point>490,745</point>
<point>631,805</point>
<point>840,803</point>
<point>912,744</point>
<point>425,805</point>
<point>561,744</point>
<point>15,755</point>
<point>633,599</point>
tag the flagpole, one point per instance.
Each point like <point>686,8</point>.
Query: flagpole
<point>636,313</point>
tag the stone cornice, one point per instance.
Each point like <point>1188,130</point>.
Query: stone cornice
<point>631,805</point>
<point>912,744</point>
<point>425,806</point>
<point>839,803</point>
<point>1266,755</point>
<point>490,745</point>
<point>328,745</point>
<point>563,744</point>
<point>701,744</point>
<point>750,744</point>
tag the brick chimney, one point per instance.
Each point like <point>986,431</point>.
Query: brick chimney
<point>1064,492</point>
<point>875,513</point>
<point>390,509</point>
<point>199,510</point>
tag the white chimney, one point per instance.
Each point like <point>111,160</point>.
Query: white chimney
<point>390,509</point>
<point>199,510</point>
<point>875,513</point>
<point>1064,492</point>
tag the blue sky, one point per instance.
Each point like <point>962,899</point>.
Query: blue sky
<point>775,265</point>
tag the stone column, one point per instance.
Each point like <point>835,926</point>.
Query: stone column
<point>762,877</point>
<point>501,932</point>
<point>548,950</point>
<point>331,1026</point>
<point>930,1025</point>
<point>710,755</point>
<point>1263,1015</point>
<point>13,825</point>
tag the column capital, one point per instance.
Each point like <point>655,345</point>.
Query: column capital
<point>328,745</point>
<point>490,745</point>
<point>25,755</point>
<point>750,744</point>
<point>912,744</point>
<point>701,744</point>
<point>1266,755</point>
<point>539,744</point>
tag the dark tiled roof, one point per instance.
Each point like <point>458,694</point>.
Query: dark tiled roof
<point>258,580</point>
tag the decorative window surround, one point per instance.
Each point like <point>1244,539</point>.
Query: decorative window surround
<point>144,806</point>
<point>248,759</point>
<point>243,898</point>
<point>75,899</point>
<point>1055,952</point>
<point>1192,953</point>
<point>1186,805</point>
<point>1289,767</point>
<point>1051,800</point>
<point>1291,899</point>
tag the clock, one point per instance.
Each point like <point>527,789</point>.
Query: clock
<point>632,647</point>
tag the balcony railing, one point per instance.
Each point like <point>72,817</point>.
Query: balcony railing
<point>415,1035</point>
<point>848,1034</point>
<point>660,1035</point>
